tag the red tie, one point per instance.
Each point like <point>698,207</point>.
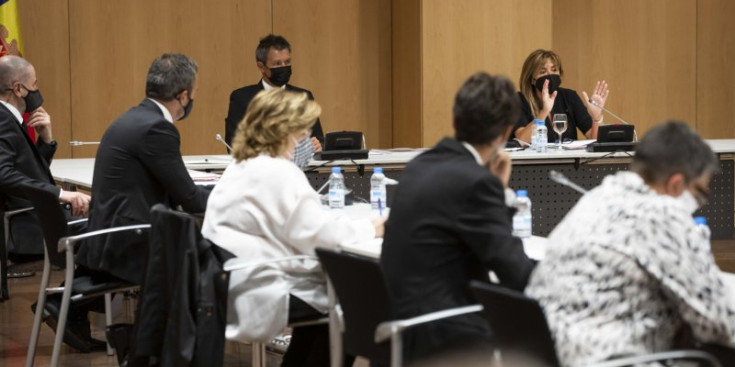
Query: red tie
<point>31,131</point>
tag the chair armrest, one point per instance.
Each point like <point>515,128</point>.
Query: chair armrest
<point>662,356</point>
<point>67,243</point>
<point>11,213</point>
<point>243,265</point>
<point>386,330</point>
<point>78,221</point>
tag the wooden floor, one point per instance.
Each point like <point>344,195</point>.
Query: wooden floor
<point>16,320</point>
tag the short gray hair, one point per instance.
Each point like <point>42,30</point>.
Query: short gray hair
<point>169,75</point>
<point>671,148</point>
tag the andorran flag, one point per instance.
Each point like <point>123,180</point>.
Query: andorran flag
<point>10,43</point>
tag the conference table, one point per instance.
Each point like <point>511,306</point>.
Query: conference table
<point>530,171</point>
<point>550,200</point>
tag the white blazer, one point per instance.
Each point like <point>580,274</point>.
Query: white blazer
<point>264,208</point>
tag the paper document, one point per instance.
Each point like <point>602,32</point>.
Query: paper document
<point>199,176</point>
<point>578,144</point>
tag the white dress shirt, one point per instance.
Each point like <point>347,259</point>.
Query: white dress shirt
<point>164,110</point>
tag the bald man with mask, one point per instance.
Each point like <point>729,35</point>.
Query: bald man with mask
<point>23,163</point>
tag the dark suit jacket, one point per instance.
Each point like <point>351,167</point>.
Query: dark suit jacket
<point>239,101</point>
<point>183,304</point>
<point>23,165</point>
<point>138,164</point>
<point>448,225</point>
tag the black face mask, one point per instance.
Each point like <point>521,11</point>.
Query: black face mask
<point>554,82</point>
<point>33,100</point>
<point>280,76</point>
<point>187,109</point>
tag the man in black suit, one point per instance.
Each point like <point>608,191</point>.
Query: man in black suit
<point>22,163</point>
<point>273,59</point>
<point>450,222</point>
<point>138,165</point>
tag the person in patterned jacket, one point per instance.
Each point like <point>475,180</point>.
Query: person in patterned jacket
<point>626,269</point>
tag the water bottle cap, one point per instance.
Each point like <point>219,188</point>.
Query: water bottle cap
<point>522,193</point>
<point>336,169</point>
<point>700,220</point>
<point>378,170</point>
<point>539,122</point>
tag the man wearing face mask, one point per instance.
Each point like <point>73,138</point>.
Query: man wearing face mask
<point>273,59</point>
<point>22,163</point>
<point>626,269</point>
<point>542,97</point>
<point>138,165</point>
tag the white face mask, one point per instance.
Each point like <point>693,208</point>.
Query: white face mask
<point>687,200</point>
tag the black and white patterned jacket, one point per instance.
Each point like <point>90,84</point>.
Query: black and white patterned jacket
<point>624,271</point>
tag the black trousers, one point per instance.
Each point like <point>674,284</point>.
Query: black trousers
<point>309,345</point>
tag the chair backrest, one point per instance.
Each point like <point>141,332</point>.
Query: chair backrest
<point>52,219</point>
<point>518,323</point>
<point>363,296</point>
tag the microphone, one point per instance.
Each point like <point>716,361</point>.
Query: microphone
<point>76,143</point>
<point>558,177</point>
<point>635,134</point>
<point>219,138</point>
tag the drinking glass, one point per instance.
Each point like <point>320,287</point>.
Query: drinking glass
<point>560,126</point>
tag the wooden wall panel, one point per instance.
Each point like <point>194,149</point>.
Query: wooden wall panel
<point>406,65</point>
<point>341,52</point>
<point>644,49</point>
<point>715,74</point>
<point>462,37</point>
<point>114,42</point>
<point>45,33</point>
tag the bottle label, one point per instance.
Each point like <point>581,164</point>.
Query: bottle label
<point>375,195</point>
<point>336,198</point>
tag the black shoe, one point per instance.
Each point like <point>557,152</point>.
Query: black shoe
<point>74,336</point>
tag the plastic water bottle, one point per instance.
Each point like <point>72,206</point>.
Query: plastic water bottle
<point>700,223</point>
<point>542,137</point>
<point>522,220</point>
<point>378,192</point>
<point>534,137</point>
<point>336,189</point>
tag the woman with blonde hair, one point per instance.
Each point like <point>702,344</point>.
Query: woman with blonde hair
<point>541,98</point>
<point>263,208</point>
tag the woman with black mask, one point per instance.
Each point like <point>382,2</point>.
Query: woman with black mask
<point>541,98</point>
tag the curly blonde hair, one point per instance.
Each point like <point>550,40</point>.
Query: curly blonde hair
<point>271,118</point>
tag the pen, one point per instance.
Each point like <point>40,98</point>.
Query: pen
<point>380,207</point>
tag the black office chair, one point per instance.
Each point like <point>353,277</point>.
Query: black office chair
<point>519,326</point>
<point>364,304</point>
<point>59,252</point>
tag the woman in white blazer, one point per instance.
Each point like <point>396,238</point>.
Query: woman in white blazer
<point>263,208</point>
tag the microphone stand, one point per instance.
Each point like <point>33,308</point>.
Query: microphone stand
<point>76,143</point>
<point>559,178</point>
<point>218,137</point>
<point>635,134</point>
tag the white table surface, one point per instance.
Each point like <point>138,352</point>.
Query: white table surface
<point>535,247</point>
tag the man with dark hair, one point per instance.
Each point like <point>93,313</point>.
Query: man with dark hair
<point>139,164</point>
<point>22,163</point>
<point>626,271</point>
<point>450,222</point>
<point>273,59</point>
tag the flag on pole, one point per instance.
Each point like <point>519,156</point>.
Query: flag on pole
<point>10,43</point>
